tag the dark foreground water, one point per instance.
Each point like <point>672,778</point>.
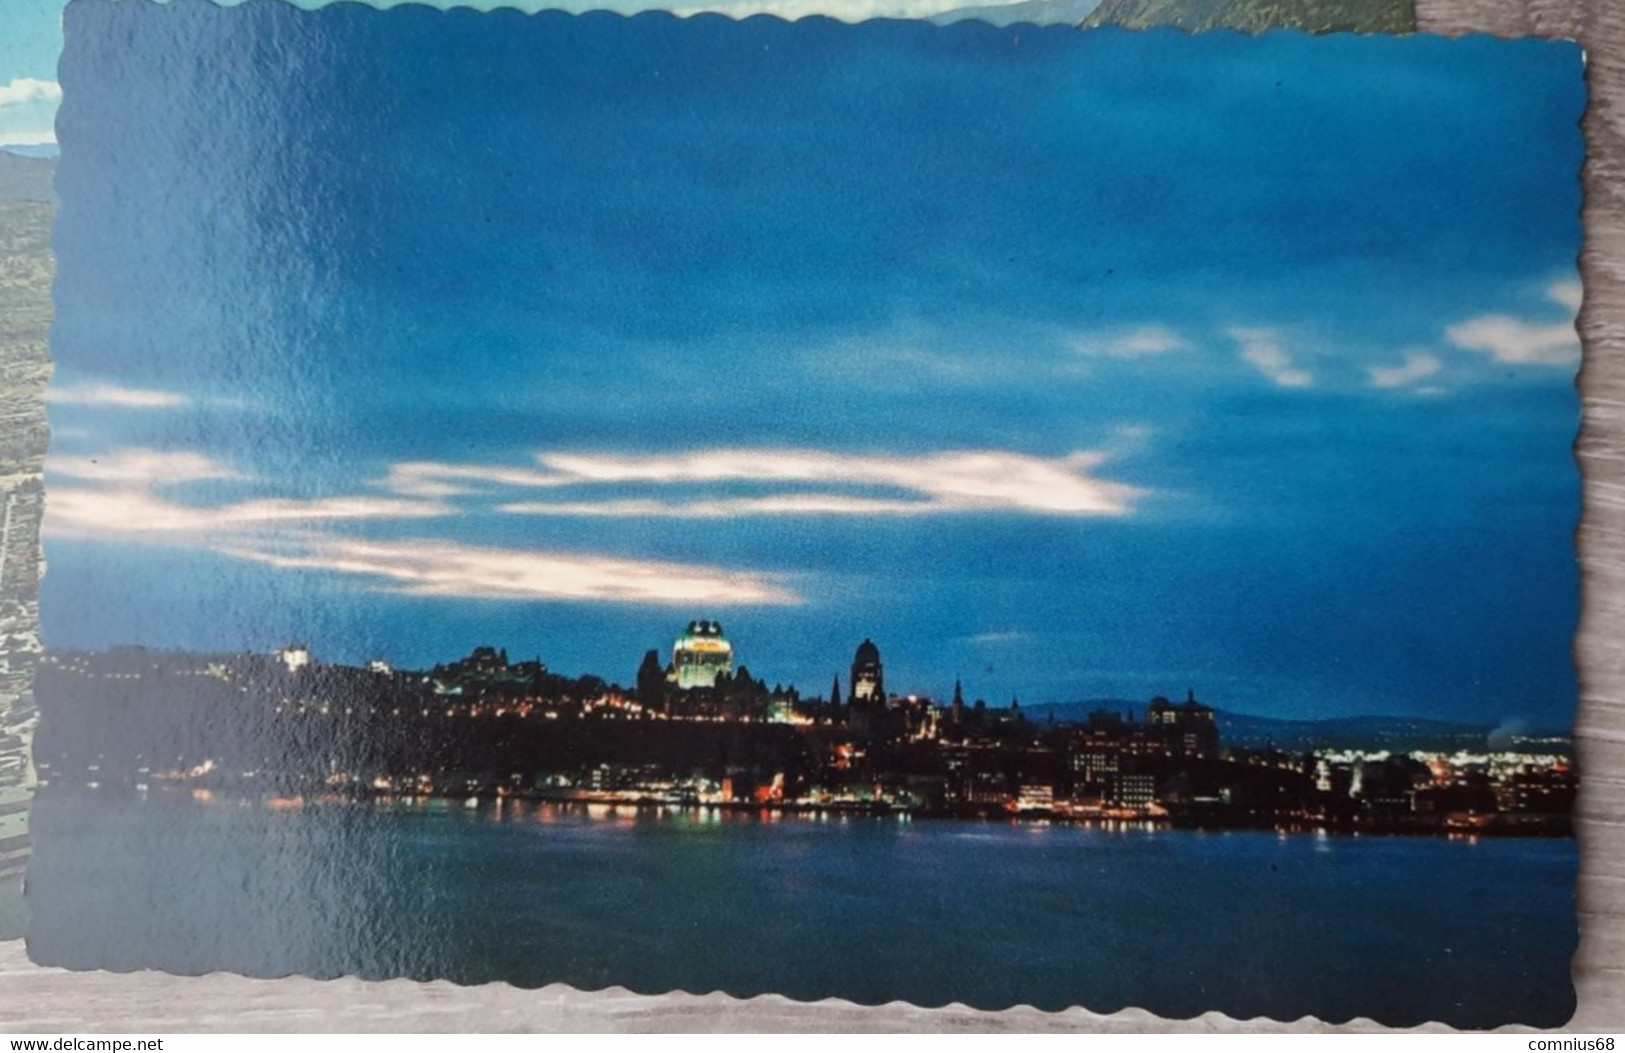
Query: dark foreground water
<point>1399,929</point>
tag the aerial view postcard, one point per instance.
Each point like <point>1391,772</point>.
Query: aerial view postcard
<point>951,514</point>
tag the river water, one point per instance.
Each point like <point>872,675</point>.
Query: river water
<point>990,914</point>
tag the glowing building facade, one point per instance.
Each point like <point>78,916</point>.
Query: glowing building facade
<point>701,654</point>
<point>294,656</point>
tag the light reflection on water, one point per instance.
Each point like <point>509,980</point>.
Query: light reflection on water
<point>988,913</point>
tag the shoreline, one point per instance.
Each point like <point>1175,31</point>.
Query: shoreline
<point>602,805</point>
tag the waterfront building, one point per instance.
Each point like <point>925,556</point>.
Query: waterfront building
<point>1134,790</point>
<point>1186,728</point>
<point>1097,763</point>
<point>701,654</point>
<point>1036,798</point>
<point>483,670</point>
<point>481,663</point>
<point>1539,788</point>
<point>294,656</point>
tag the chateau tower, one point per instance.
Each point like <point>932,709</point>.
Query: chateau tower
<point>868,682</point>
<point>701,654</point>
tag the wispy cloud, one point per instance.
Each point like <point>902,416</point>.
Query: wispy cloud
<point>1261,349</point>
<point>907,366</point>
<point>1520,341</point>
<point>902,362</point>
<point>438,479</point>
<point>986,479</point>
<point>20,91</point>
<point>140,467</point>
<point>727,508</point>
<point>994,638</point>
<point>1569,293</point>
<point>443,569</point>
<point>131,513</point>
<point>953,481</point>
<point>1130,343</point>
<point>94,394</point>
<point>1418,366</point>
<point>116,495</point>
<point>1515,341</point>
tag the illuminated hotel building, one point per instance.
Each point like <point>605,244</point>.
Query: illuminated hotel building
<point>700,654</point>
<point>294,656</point>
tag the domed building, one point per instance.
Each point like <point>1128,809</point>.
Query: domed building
<point>866,701</point>
<point>701,654</point>
<point>868,681</point>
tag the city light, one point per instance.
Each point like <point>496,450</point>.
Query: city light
<point>287,728</point>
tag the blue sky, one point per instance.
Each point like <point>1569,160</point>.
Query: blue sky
<point>1075,365</point>
<point>31,39</point>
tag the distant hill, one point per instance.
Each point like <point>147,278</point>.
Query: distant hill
<point>26,178</point>
<point>1036,12</point>
<point>1072,712</point>
<point>1257,16</point>
<point>1398,734</point>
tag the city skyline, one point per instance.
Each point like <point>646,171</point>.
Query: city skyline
<point>1257,374</point>
<point>701,731</point>
<point>297,657</point>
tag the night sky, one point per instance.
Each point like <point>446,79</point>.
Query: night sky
<point>1073,364</point>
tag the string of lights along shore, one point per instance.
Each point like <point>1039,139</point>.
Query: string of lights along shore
<point>700,729</point>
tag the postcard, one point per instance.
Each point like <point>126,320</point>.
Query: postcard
<point>883,511</point>
<point>30,96</point>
